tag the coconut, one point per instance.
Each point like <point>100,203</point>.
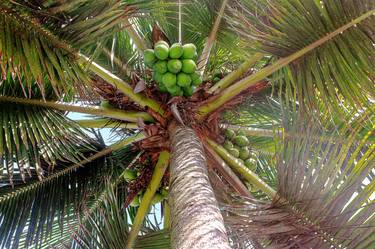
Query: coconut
<point>176,51</point>
<point>188,66</point>
<point>174,66</point>
<point>157,198</point>
<point>196,79</point>
<point>161,51</point>
<point>162,42</point>
<point>162,88</point>
<point>251,164</point>
<point>105,104</point>
<point>135,202</point>
<point>158,77</point>
<point>169,80</point>
<point>161,67</point>
<point>130,175</point>
<point>216,79</point>
<point>244,153</point>
<point>189,51</point>
<point>241,140</point>
<point>229,133</point>
<point>188,91</point>
<point>234,152</point>
<point>183,80</point>
<point>149,56</point>
<point>241,133</point>
<point>228,145</point>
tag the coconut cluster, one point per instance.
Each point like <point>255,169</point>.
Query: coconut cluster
<point>131,175</point>
<point>237,144</point>
<point>174,67</point>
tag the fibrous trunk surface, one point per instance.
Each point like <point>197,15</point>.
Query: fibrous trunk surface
<point>196,221</point>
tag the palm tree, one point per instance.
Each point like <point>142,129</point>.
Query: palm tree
<point>295,77</point>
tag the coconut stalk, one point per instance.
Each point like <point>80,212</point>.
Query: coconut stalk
<point>114,113</point>
<point>202,62</point>
<point>121,85</point>
<point>232,91</point>
<point>237,166</point>
<point>196,221</point>
<point>144,207</point>
<point>104,123</point>
<point>167,214</point>
<point>228,173</point>
<point>230,78</point>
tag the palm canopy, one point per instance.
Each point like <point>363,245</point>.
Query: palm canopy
<point>296,77</point>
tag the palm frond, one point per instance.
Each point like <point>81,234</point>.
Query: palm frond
<point>34,139</point>
<point>340,71</point>
<point>324,194</point>
<point>42,39</point>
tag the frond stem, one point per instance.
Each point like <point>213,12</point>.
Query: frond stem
<point>114,113</point>
<point>143,209</point>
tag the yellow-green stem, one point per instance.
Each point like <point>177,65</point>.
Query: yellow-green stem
<point>143,209</point>
<point>237,166</point>
<point>230,78</point>
<point>167,215</point>
<point>105,123</point>
<point>232,91</point>
<point>114,113</point>
<point>121,85</point>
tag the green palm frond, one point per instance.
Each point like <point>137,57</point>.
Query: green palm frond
<point>39,40</point>
<point>34,139</point>
<point>51,206</point>
<point>324,193</point>
<point>341,71</point>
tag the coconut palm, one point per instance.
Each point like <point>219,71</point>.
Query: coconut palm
<point>293,78</point>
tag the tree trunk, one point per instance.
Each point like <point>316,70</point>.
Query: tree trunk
<point>196,221</point>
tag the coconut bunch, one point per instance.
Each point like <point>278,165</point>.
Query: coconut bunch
<point>174,67</point>
<point>131,175</point>
<point>237,144</point>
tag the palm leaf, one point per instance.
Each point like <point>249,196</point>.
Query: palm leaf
<point>340,71</point>
<point>324,194</point>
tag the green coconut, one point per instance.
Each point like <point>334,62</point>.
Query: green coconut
<point>161,51</point>
<point>174,66</point>
<point>164,192</point>
<point>105,104</point>
<point>188,91</point>
<point>149,56</point>
<point>216,79</point>
<point>162,42</point>
<point>157,198</point>
<point>136,201</point>
<point>241,140</point>
<point>183,80</point>
<point>176,51</point>
<point>179,92</point>
<point>234,152</point>
<point>189,51</point>
<point>162,88</point>
<point>196,79</point>
<point>161,67</point>
<point>188,66</point>
<point>229,133</point>
<point>228,145</point>
<point>158,77</point>
<point>169,80</point>
<point>241,133</point>
<point>244,153</point>
<point>251,164</point>
<point>130,175</point>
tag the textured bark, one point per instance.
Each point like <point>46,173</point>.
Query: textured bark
<point>196,221</point>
